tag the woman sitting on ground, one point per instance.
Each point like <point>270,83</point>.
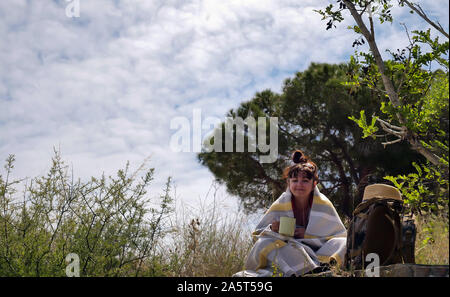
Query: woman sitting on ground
<point>319,237</point>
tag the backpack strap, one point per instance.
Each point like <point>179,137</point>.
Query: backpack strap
<point>397,244</point>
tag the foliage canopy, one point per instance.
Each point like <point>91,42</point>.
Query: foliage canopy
<point>413,92</point>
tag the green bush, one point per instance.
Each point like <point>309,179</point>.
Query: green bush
<point>107,222</point>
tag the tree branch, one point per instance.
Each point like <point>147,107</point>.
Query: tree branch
<point>388,85</point>
<point>400,132</point>
<point>391,142</point>
<point>344,182</point>
<point>347,157</point>
<point>393,97</point>
<point>422,14</point>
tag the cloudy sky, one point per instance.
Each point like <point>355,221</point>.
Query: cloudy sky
<point>104,86</point>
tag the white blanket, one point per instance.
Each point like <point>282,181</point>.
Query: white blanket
<point>276,254</point>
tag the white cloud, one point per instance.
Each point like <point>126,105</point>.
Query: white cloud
<point>104,87</point>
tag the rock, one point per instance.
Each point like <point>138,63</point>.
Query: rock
<point>410,270</point>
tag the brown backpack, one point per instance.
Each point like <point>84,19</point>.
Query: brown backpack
<point>379,227</point>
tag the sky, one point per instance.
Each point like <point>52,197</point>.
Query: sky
<point>101,84</point>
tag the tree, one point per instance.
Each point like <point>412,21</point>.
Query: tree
<point>312,114</point>
<point>413,97</point>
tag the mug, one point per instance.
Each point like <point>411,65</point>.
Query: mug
<point>287,226</point>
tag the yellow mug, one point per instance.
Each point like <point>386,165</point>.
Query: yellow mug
<point>287,226</point>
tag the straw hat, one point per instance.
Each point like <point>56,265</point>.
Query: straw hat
<point>381,191</point>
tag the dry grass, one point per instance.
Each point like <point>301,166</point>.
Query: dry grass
<point>207,242</point>
<point>432,241</point>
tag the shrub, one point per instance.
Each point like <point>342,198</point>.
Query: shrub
<point>107,222</point>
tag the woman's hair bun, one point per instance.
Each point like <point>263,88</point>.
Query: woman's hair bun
<point>299,157</point>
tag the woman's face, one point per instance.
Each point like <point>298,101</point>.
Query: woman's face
<point>301,187</point>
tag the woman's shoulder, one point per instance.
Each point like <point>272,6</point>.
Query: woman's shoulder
<point>285,197</point>
<point>321,199</point>
<point>283,203</point>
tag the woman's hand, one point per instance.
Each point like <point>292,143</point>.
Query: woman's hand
<point>275,226</point>
<point>299,232</point>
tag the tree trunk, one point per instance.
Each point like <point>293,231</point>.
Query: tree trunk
<point>390,90</point>
<point>345,185</point>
